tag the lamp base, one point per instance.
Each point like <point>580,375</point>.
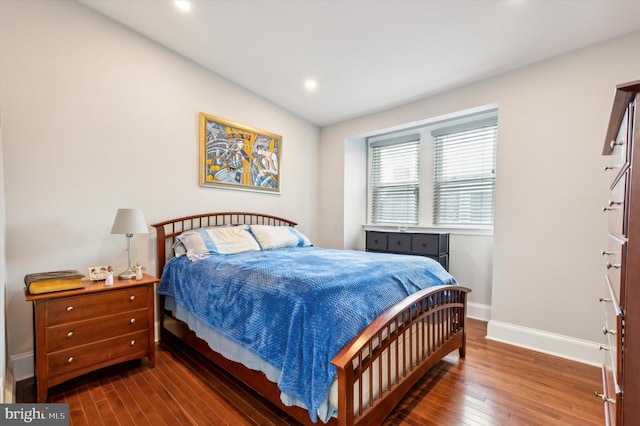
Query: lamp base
<point>129,274</point>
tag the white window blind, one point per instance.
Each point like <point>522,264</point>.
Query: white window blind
<point>464,173</point>
<point>395,180</point>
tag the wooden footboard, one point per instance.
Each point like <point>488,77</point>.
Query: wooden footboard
<point>387,358</point>
<point>377,368</point>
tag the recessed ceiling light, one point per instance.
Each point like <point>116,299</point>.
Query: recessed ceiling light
<point>183,5</point>
<point>311,84</point>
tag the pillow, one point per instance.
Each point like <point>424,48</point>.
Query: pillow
<point>271,237</point>
<point>178,246</point>
<point>201,243</point>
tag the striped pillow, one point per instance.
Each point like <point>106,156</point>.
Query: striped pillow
<point>272,237</point>
<point>201,243</point>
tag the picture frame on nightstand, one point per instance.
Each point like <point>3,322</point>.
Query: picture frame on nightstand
<point>97,273</point>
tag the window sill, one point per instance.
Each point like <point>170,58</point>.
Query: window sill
<point>461,230</point>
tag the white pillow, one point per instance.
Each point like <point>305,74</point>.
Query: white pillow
<point>201,243</point>
<point>271,237</point>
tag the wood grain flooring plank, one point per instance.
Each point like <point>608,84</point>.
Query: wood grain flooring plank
<point>106,412</point>
<point>160,397</point>
<point>130,404</point>
<point>191,385</point>
<point>495,385</point>
<point>236,397</point>
<point>185,396</point>
<point>88,406</point>
<point>141,398</point>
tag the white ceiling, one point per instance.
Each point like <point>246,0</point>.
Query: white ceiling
<point>369,55</point>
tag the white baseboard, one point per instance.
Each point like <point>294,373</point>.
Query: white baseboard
<point>579,350</point>
<point>478,311</point>
<point>22,366</point>
<point>8,393</point>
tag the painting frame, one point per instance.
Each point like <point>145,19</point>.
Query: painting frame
<point>235,156</point>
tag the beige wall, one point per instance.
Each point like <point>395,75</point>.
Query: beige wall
<point>96,117</point>
<point>3,287</point>
<point>549,228</point>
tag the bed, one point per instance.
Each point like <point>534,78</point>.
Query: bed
<point>370,371</point>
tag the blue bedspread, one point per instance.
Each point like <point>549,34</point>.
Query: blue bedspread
<point>297,307</point>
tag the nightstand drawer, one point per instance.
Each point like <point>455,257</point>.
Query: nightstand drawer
<point>82,332</point>
<point>128,346</point>
<point>68,309</point>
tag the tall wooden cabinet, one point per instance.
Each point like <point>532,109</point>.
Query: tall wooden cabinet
<point>621,292</point>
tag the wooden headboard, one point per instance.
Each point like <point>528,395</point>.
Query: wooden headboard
<point>167,231</point>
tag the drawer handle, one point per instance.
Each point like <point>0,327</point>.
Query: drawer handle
<point>69,334</point>
<point>70,360</point>
<point>612,203</point>
<point>399,242</point>
<point>69,308</point>
<point>606,331</point>
<point>604,398</point>
<point>375,241</point>
<point>132,321</point>
<point>132,298</point>
<point>604,299</point>
<point>607,209</point>
<point>606,253</point>
<point>424,244</point>
<point>613,265</point>
<point>603,348</point>
<point>133,342</point>
<point>610,168</point>
<point>614,143</point>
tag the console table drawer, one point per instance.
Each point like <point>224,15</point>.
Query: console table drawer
<point>399,243</point>
<point>376,241</point>
<point>429,244</point>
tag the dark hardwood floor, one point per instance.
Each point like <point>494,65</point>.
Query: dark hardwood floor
<point>496,384</point>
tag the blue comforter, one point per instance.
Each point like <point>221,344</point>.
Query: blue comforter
<point>297,307</point>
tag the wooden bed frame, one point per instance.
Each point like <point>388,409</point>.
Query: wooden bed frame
<point>421,330</point>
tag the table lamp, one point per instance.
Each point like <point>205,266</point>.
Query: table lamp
<point>129,222</point>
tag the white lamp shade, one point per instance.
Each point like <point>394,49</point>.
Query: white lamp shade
<point>129,221</point>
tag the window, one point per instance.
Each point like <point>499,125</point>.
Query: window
<point>394,180</point>
<point>464,173</point>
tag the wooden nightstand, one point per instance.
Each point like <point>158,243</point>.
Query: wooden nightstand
<point>78,331</point>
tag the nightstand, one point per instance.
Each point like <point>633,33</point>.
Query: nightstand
<point>82,330</point>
